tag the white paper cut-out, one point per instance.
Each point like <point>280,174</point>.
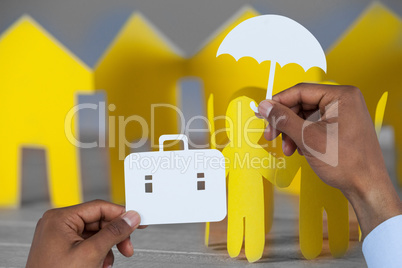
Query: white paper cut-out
<point>176,186</point>
<point>277,39</point>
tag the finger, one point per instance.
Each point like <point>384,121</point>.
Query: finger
<point>98,210</point>
<point>95,212</point>
<point>288,145</point>
<point>109,260</point>
<point>126,247</point>
<point>309,96</point>
<point>113,233</point>
<point>87,234</point>
<point>283,119</point>
<point>96,226</point>
<point>311,115</point>
<point>271,133</point>
<point>299,151</point>
<point>259,116</point>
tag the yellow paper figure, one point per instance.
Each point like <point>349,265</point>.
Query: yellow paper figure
<point>257,94</point>
<point>39,83</point>
<point>369,56</point>
<point>274,148</point>
<point>223,76</point>
<point>315,196</point>
<point>139,73</point>
<point>247,166</point>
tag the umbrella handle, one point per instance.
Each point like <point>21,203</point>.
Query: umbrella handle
<point>270,86</point>
<point>271,77</point>
<point>253,107</point>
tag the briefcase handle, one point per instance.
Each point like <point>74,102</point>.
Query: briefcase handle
<point>172,137</point>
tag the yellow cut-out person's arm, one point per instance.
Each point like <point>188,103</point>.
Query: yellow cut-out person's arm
<point>379,113</point>
<point>285,174</point>
<point>266,164</point>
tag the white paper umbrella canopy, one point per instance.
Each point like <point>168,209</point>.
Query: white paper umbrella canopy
<point>277,39</point>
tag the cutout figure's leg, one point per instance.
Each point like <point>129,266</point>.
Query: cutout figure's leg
<point>10,172</point>
<point>64,174</point>
<point>310,218</point>
<point>338,222</point>
<point>254,235</point>
<point>117,176</point>
<point>235,231</point>
<point>268,205</point>
<point>206,234</point>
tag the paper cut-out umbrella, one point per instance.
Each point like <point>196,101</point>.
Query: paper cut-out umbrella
<point>277,39</point>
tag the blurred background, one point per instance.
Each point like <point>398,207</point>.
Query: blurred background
<point>88,27</point>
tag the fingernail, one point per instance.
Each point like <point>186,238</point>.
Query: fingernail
<point>284,145</point>
<point>265,108</point>
<point>109,266</point>
<point>259,116</point>
<point>132,218</point>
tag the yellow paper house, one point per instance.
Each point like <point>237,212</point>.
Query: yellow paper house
<point>369,56</point>
<point>40,79</point>
<point>139,73</point>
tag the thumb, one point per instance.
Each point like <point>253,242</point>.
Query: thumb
<point>113,233</point>
<point>283,119</point>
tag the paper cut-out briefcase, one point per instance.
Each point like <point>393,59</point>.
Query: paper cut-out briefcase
<point>176,186</point>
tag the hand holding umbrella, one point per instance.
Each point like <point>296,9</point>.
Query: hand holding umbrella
<point>277,39</point>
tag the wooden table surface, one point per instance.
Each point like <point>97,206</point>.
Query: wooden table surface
<point>181,245</point>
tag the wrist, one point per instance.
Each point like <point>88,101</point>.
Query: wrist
<point>374,201</point>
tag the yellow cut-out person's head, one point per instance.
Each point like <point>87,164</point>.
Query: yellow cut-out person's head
<point>242,126</point>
